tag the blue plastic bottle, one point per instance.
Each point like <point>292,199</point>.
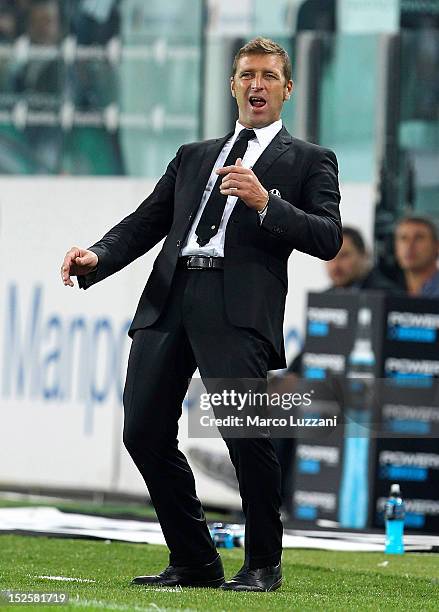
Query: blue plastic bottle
<point>394,516</point>
<point>354,488</point>
<point>227,535</point>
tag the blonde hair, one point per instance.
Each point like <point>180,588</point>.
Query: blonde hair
<point>266,46</point>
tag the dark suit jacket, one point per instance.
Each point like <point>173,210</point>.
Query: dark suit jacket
<point>305,217</point>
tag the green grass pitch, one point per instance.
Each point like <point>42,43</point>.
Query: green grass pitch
<point>313,579</point>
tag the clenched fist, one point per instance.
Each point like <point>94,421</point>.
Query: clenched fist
<point>77,262</point>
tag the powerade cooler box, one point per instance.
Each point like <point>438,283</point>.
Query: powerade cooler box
<point>384,352</point>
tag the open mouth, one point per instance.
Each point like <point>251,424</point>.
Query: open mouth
<point>257,101</point>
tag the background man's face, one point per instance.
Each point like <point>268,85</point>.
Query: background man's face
<point>260,89</point>
<point>415,247</point>
<point>44,24</point>
<point>348,266</point>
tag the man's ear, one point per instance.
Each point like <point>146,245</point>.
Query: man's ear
<point>232,87</point>
<point>288,90</point>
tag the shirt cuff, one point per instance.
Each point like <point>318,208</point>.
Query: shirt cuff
<point>86,281</point>
<point>262,213</point>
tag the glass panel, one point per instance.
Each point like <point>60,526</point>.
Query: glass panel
<point>102,87</point>
<point>418,132</point>
<point>159,81</point>
<point>92,141</point>
<point>348,104</point>
<point>32,84</point>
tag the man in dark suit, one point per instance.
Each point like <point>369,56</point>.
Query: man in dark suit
<point>215,299</point>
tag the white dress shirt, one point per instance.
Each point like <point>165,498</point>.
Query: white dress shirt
<point>256,146</point>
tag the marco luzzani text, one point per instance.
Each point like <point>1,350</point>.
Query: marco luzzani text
<point>245,404</point>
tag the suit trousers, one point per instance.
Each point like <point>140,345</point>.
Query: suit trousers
<point>193,331</point>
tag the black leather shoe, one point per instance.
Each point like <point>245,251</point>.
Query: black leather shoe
<point>262,579</point>
<point>209,575</point>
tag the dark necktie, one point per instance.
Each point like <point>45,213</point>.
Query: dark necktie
<point>213,211</point>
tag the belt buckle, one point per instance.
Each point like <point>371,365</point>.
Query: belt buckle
<point>190,259</point>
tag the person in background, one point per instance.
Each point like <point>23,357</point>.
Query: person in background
<point>94,85</point>
<point>8,31</point>
<point>8,24</point>
<point>44,22</point>
<point>416,251</point>
<point>351,269</point>
<point>37,81</point>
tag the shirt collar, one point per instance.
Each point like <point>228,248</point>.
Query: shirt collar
<point>264,135</point>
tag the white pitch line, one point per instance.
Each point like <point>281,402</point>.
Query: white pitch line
<point>66,579</point>
<point>177,589</point>
<point>106,605</point>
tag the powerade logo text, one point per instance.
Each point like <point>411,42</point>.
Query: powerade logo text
<point>51,357</point>
<point>311,457</point>
<point>316,364</point>
<point>400,418</point>
<point>397,465</point>
<point>412,327</point>
<point>320,319</point>
<point>308,504</point>
<point>402,411</point>
<point>410,372</point>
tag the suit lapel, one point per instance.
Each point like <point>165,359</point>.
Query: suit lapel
<point>280,143</point>
<point>209,156</point>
